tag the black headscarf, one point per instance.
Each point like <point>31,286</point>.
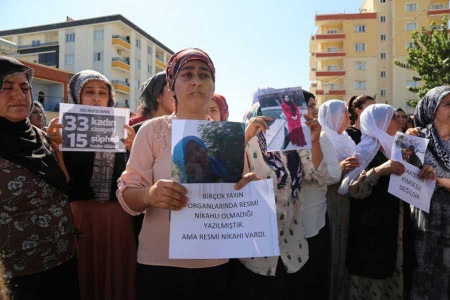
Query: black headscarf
<point>151,89</point>
<point>424,118</point>
<point>24,144</point>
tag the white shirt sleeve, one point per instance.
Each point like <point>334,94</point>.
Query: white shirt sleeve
<point>329,160</point>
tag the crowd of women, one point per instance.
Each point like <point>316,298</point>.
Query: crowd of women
<point>95,225</point>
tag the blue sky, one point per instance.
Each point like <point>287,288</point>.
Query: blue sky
<point>252,43</point>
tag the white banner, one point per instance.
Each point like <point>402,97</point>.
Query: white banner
<point>93,128</point>
<point>220,222</point>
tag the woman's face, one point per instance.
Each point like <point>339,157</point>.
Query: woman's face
<point>442,117</point>
<point>345,121</point>
<point>393,126</point>
<point>15,98</point>
<point>286,98</point>
<point>365,105</point>
<point>312,108</point>
<point>37,117</point>
<point>401,119</point>
<point>196,154</point>
<point>95,93</point>
<point>166,100</point>
<point>194,87</point>
<point>214,111</point>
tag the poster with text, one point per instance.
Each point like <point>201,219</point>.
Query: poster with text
<point>410,151</point>
<point>220,222</point>
<point>93,128</point>
<point>287,131</point>
<point>207,151</point>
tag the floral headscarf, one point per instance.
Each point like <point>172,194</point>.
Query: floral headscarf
<point>151,89</point>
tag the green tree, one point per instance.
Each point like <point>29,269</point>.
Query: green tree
<point>225,142</point>
<point>430,58</point>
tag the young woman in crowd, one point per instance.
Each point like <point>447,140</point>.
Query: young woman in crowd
<point>218,108</point>
<point>37,116</point>
<point>37,231</point>
<point>145,186</point>
<point>378,220</point>
<point>401,117</point>
<point>107,250</point>
<point>356,106</point>
<point>432,239</point>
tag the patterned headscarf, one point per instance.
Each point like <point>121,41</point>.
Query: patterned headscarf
<point>151,89</point>
<point>38,105</point>
<point>330,118</point>
<point>375,120</point>
<point>181,57</point>
<point>223,106</point>
<point>424,118</point>
<point>78,81</point>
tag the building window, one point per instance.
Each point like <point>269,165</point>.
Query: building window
<point>360,85</point>
<point>138,43</point>
<point>35,43</point>
<point>98,56</point>
<point>411,26</point>
<point>329,49</point>
<point>69,59</point>
<point>360,28</point>
<point>383,55</point>
<point>383,37</point>
<point>382,1</point>
<point>360,65</point>
<point>383,73</point>
<point>411,83</point>
<point>138,83</point>
<point>360,47</point>
<point>437,6</point>
<point>138,64</point>
<point>332,68</point>
<point>383,93</point>
<point>383,19</point>
<point>70,37</point>
<point>149,50</point>
<point>331,31</point>
<point>41,97</point>
<point>149,69</point>
<point>99,35</point>
<point>411,6</point>
<point>409,45</point>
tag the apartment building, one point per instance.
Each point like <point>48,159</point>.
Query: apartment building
<point>111,45</point>
<point>353,54</point>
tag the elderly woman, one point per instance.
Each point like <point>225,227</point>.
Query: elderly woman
<point>190,155</point>
<point>107,251</point>
<point>218,108</point>
<point>378,220</point>
<point>37,232</point>
<point>37,116</point>
<point>145,186</point>
<point>432,239</point>
<point>156,100</point>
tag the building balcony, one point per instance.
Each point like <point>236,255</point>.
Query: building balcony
<point>330,73</point>
<point>121,42</point>
<point>329,37</point>
<point>337,91</point>
<point>121,64</point>
<point>37,45</point>
<point>159,61</point>
<point>439,11</point>
<point>327,54</point>
<point>121,86</point>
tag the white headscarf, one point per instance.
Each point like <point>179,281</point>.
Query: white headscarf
<point>331,116</point>
<point>375,119</point>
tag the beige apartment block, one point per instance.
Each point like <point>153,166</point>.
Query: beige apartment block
<point>354,54</point>
<point>111,45</point>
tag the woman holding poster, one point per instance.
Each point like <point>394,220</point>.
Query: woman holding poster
<point>145,187</point>
<point>293,118</point>
<point>432,244</point>
<point>379,223</point>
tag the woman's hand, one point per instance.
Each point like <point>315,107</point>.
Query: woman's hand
<point>349,164</point>
<point>294,117</point>
<point>53,133</point>
<point>443,183</point>
<point>130,137</point>
<point>413,131</point>
<point>255,126</point>
<point>315,127</point>
<point>427,173</point>
<point>245,179</point>
<point>390,167</point>
<point>167,194</point>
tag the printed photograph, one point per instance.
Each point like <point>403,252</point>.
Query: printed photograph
<point>410,149</point>
<point>288,130</point>
<point>207,151</point>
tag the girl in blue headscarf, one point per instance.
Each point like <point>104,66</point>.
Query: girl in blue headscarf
<point>190,155</point>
